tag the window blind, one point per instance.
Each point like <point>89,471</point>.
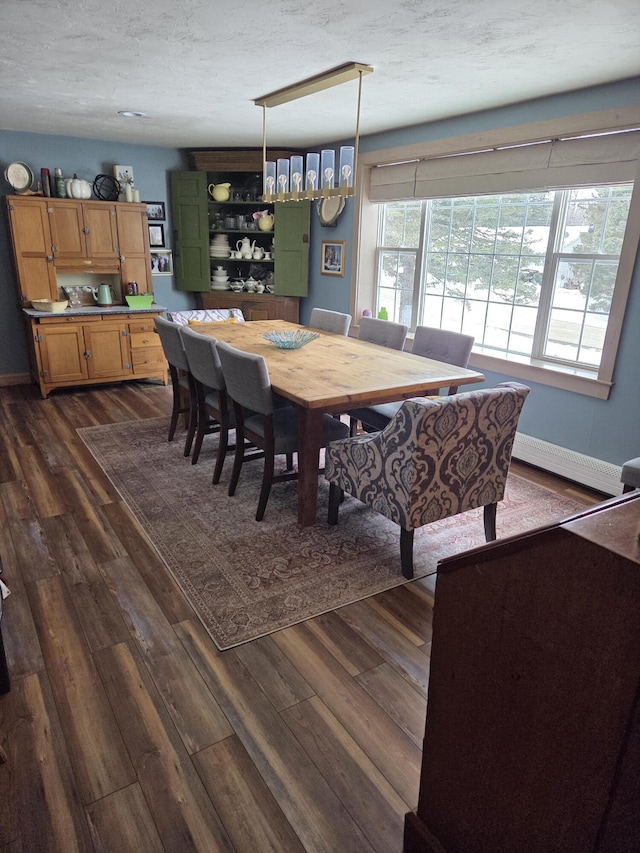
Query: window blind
<point>553,164</point>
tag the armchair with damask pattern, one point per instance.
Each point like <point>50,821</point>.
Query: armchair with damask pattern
<point>436,458</point>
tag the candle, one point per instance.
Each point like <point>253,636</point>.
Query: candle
<point>128,192</point>
<point>136,196</point>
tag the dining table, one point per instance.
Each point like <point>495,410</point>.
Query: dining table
<point>333,374</point>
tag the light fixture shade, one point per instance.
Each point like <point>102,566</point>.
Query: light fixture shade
<point>346,165</point>
<point>328,168</point>
<point>313,172</point>
<point>283,176</point>
<point>297,173</point>
<point>269,177</point>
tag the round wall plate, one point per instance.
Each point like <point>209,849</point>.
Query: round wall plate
<point>329,209</point>
<point>19,175</point>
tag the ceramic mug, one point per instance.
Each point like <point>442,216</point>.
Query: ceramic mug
<point>269,288</point>
<point>259,288</point>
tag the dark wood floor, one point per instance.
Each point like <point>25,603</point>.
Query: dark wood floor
<point>126,730</point>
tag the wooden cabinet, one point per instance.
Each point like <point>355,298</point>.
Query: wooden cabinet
<point>255,306</point>
<point>83,234</point>
<point>196,217</point>
<point>52,236</point>
<point>532,739</point>
<point>31,238</point>
<point>87,349</point>
<point>133,245</point>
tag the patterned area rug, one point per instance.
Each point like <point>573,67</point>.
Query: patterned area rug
<point>246,579</point>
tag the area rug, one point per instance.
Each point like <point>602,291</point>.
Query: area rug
<point>245,578</point>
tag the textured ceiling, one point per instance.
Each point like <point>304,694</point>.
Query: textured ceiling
<point>68,66</point>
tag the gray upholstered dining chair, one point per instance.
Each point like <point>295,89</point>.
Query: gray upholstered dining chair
<point>430,342</point>
<point>385,333</point>
<point>272,429</point>
<point>436,458</point>
<point>330,321</point>
<point>184,395</point>
<point>630,476</point>
<point>214,411</point>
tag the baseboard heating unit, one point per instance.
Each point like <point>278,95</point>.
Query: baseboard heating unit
<point>594,473</point>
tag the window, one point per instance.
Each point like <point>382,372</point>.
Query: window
<point>530,275</point>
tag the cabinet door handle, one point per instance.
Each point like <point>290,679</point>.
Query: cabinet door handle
<point>85,230</point>
<point>87,354</point>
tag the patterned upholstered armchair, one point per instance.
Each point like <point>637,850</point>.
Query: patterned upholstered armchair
<point>436,458</point>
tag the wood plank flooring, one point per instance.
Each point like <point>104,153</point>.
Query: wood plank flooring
<point>127,730</point>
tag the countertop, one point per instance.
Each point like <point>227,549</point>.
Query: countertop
<point>89,310</point>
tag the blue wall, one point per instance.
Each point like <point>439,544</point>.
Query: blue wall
<point>87,158</point>
<point>604,429</point>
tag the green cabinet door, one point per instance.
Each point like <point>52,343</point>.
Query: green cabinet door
<point>190,215</point>
<point>291,248</point>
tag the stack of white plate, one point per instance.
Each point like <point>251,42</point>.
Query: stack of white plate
<point>219,246</point>
<point>219,282</point>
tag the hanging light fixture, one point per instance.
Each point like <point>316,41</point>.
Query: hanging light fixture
<point>315,176</point>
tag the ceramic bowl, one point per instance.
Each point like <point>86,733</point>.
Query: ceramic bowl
<point>53,306</point>
<point>290,340</point>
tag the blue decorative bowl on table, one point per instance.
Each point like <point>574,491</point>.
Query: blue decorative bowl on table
<point>287,339</point>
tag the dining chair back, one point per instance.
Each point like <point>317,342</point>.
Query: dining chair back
<point>429,342</point>
<point>184,396</point>
<point>205,315</point>
<point>271,428</point>
<point>330,321</point>
<point>385,333</point>
<point>214,413</point>
<point>436,458</point>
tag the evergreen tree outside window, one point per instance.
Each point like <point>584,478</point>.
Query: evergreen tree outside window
<point>530,275</point>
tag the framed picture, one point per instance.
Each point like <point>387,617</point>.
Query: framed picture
<point>155,210</point>
<point>161,262</point>
<point>332,260</point>
<point>156,235</point>
<point>123,174</point>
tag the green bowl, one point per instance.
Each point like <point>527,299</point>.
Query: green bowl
<point>143,300</point>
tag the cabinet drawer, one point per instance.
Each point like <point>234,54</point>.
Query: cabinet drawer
<point>145,359</point>
<point>142,326</point>
<point>141,340</point>
<point>60,318</point>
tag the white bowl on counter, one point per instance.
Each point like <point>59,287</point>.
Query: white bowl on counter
<point>53,306</point>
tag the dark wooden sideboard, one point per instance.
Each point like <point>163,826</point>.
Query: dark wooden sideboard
<point>532,739</point>
<point>254,306</point>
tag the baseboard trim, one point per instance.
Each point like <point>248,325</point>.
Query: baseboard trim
<point>15,379</point>
<point>591,472</point>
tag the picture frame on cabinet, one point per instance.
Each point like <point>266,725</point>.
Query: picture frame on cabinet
<point>155,210</point>
<point>156,235</point>
<point>161,262</point>
<point>332,258</point>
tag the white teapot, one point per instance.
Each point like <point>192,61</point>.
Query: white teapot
<point>246,247</point>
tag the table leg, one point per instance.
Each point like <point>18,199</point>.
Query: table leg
<point>309,440</point>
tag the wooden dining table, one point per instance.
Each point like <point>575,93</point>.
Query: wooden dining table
<point>334,373</point>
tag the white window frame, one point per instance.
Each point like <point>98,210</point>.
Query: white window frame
<point>365,239</point>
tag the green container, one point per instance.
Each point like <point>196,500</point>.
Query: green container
<point>143,300</point>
